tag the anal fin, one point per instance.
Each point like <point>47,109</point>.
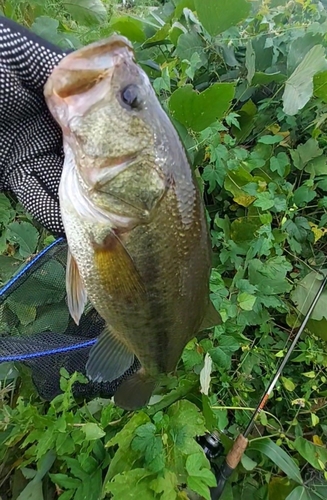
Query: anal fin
<point>134,392</point>
<point>108,359</point>
<point>76,293</point>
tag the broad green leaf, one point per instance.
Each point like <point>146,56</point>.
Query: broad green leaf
<point>270,139</point>
<point>86,12</point>
<point>305,152</point>
<point>25,313</point>
<point>299,47</point>
<point>306,291</point>
<point>130,27</point>
<point>246,301</point>
<point>200,476</point>
<point>65,481</point>
<point>218,15</point>
<point>46,27</point>
<point>133,483</point>
<point>312,453</point>
<point>250,61</point>
<point>260,78</point>
<point>280,458</point>
<point>25,235</point>
<point>150,444</point>
<point>199,110</point>
<point>299,86</point>
<point>320,85</point>
<point>5,209</point>
<point>303,195</point>
<point>93,431</point>
<point>269,276</point>
<point>222,354</point>
<point>300,493</point>
<point>33,491</point>
<point>167,485</point>
<point>189,44</point>
<point>288,384</point>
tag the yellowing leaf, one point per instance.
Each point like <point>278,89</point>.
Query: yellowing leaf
<point>314,419</point>
<point>288,384</point>
<point>244,200</point>
<point>316,440</point>
<point>318,232</point>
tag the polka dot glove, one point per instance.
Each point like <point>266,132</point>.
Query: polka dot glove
<point>31,154</point>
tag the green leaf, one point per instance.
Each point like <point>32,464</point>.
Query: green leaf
<point>303,195</point>
<point>65,481</point>
<point>131,484</point>
<point>150,445</point>
<point>299,86</point>
<point>222,354</point>
<point>305,152</point>
<point>288,384</point>
<point>5,209</point>
<point>320,85</point>
<point>86,12</point>
<point>299,47</point>
<point>130,27</point>
<point>200,475</point>
<point>312,453</point>
<point>279,163</point>
<point>299,493</point>
<point>305,292</point>
<point>269,276</point>
<point>218,15</point>
<point>246,301</point>
<point>167,485</point>
<point>189,44</point>
<point>250,61</point>
<point>93,431</point>
<point>47,28</point>
<point>25,313</point>
<point>264,200</point>
<point>199,110</point>
<point>270,139</point>
<point>280,458</point>
<point>25,235</point>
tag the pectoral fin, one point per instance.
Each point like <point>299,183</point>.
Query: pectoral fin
<point>76,293</point>
<point>117,270</point>
<point>211,318</point>
<point>108,359</point>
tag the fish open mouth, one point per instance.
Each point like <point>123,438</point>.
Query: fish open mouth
<point>75,84</point>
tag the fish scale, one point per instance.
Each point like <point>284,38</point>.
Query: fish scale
<point>133,216</point>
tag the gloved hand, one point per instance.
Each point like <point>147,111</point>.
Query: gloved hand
<point>31,154</point>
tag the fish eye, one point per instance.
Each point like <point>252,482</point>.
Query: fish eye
<point>130,96</point>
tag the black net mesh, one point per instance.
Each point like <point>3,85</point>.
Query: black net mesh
<point>37,330</point>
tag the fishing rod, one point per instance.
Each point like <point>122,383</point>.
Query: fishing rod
<point>211,442</point>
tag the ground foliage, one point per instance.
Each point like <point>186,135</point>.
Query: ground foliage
<point>246,86</point>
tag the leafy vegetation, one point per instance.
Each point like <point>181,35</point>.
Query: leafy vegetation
<point>246,86</point>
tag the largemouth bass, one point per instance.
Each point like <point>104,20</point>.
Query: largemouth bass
<point>133,215</point>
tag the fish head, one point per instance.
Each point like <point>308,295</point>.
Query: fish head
<point>113,125</point>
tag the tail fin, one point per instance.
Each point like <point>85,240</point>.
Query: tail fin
<point>135,391</point>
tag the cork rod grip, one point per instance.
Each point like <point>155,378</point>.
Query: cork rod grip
<point>235,454</point>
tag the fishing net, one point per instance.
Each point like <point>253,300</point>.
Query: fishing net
<point>36,328</point>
